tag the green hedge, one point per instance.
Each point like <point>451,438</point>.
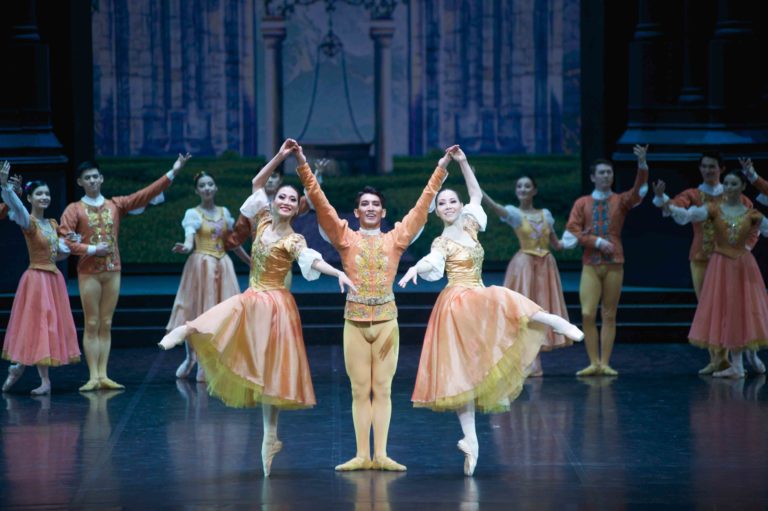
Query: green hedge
<point>148,238</point>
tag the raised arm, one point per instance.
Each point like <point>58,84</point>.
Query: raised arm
<point>634,196</point>
<point>334,227</point>
<point>19,213</point>
<point>473,187</point>
<point>143,197</point>
<point>497,208</point>
<point>748,169</point>
<point>260,180</point>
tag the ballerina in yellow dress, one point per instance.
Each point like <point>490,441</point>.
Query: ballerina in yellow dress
<point>250,345</point>
<point>479,340</point>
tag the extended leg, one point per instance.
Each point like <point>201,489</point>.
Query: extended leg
<point>90,296</point>
<point>270,445</point>
<point>559,325</point>
<point>590,290</point>
<point>612,282</point>
<point>384,359</point>
<point>110,294</point>
<point>357,360</point>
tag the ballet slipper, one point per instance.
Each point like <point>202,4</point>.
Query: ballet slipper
<point>571,331</point>
<point>107,384</point>
<point>14,373</point>
<point>200,375</point>
<point>185,368</point>
<point>731,372</point>
<point>268,452</point>
<point>607,370</point>
<point>356,463</point>
<point>43,389</point>
<point>713,367</point>
<point>471,452</point>
<point>172,339</point>
<point>590,370</point>
<point>388,464</point>
<point>90,385</point>
<point>755,361</point>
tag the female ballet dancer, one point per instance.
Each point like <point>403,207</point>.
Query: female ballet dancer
<point>532,272</point>
<point>251,345</point>
<point>209,276</point>
<point>41,331</point>
<point>733,308</point>
<point>479,340</point>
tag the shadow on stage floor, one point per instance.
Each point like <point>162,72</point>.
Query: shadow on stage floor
<point>657,436</point>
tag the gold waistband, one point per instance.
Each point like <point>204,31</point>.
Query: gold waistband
<point>373,300</point>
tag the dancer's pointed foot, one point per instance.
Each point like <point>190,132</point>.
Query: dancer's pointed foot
<point>471,451</point>
<point>731,372</point>
<point>714,366</point>
<point>107,384</point>
<point>607,370</point>
<point>14,373</point>
<point>268,451</point>
<point>173,338</point>
<point>185,368</point>
<point>755,361</point>
<point>388,464</point>
<point>43,389</point>
<point>91,385</point>
<point>356,463</point>
<point>571,331</point>
<point>590,370</point>
<point>200,376</point>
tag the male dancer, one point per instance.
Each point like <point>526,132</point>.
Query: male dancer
<point>595,222</point>
<point>711,166</point>
<point>97,221</point>
<point>371,335</point>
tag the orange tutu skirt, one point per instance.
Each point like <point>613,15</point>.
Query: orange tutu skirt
<point>252,350</point>
<point>205,282</point>
<point>733,308</point>
<point>537,278</point>
<point>477,346</point>
<point>41,330</point>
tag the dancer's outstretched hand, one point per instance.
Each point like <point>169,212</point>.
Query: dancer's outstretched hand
<point>446,159</point>
<point>299,153</point>
<point>287,148</point>
<point>641,152</point>
<point>181,248</point>
<point>458,155</point>
<point>746,165</point>
<point>659,187</point>
<point>411,275</point>
<point>180,162</point>
<point>5,171</point>
<point>346,281</point>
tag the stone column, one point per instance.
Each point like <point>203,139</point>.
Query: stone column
<point>273,32</point>
<point>382,31</point>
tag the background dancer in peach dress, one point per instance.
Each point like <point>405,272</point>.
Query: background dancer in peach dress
<point>532,272</point>
<point>41,331</point>
<point>251,345</point>
<point>208,277</point>
<point>479,340</point>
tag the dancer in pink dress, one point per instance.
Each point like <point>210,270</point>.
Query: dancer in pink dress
<point>733,308</point>
<point>479,340</point>
<point>532,272</point>
<point>41,331</point>
<point>209,277</point>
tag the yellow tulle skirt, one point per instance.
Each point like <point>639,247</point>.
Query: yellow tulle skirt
<point>252,350</point>
<point>478,344</point>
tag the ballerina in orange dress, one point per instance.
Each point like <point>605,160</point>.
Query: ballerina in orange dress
<point>733,310</point>
<point>479,340</point>
<point>208,277</point>
<point>251,345</point>
<point>532,272</point>
<point>41,331</point>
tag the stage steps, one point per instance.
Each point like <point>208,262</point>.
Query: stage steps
<point>645,315</point>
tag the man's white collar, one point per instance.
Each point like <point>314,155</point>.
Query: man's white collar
<point>97,202</point>
<point>711,190</point>
<point>598,195</point>
<point>370,232</point>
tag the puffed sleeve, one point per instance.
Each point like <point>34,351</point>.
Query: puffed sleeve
<point>514,217</point>
<point>304,256</point>
<point>436,260</point>
<point>764,227</point>
<point>17,212</point>
<point>549,218</point>
<point>228,218</point>
<point>688,215</point>
<point>192,221</point>
<point>476,213</point>
<point>254,204</point>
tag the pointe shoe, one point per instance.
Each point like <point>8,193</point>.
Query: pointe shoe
<point>14,373</point>
<point>268,452</point>
<point>713,367</point>
<point>90,385</point>
<point>107,384</point>
<point>170,340</point>
<point>731,372</point>
<point>356,463</point>
<point>755,362</point>
<point>590,370</point>
<point>200,375</point>
<point>471,452</point>
<point>185,368</point>
<point>388,464</point>
<point>42,390</point>
<point>571,331</point>
<point>607,370</point>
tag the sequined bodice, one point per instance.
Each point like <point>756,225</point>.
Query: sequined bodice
<point>209,237</point>
<point>272,261</point>
<point>463,265</point>
<point>533,233</point>
<point>731,232</point>
<point>42,244</point>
